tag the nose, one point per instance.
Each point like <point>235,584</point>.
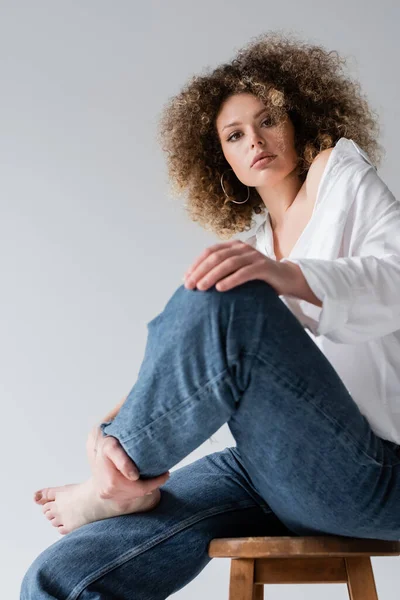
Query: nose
<point>257,139</point>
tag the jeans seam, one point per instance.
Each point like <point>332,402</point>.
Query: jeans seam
<point>220,378</point>
<point>345,434</point>
<point>241,505</point>
<point>247,486</point>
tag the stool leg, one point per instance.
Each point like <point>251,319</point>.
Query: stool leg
<point>242,577</point>
<point>360,578</point>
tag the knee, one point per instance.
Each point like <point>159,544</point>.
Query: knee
<point>42,579</point>
<point>191,305</point>
<point>253,290</point>
<point>33,585</point>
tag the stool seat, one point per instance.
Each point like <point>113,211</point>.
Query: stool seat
<point>286,546</point>
<point>315,559</point>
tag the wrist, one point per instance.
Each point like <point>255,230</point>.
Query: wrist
<point>296,285</point>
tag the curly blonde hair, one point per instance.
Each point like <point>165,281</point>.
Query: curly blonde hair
<point>291,77</point>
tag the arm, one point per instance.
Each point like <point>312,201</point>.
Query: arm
<point>298,286</point>
<point>294,282</point>
<point>360,292</point>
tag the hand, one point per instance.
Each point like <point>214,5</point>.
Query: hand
<point>113,451</point>
<point>91,444</point>
<point>116,475</point>
<point>230,264</point>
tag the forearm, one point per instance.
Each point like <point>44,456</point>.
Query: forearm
<point>298,287</point>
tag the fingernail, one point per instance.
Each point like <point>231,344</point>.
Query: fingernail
<point>133,476</point>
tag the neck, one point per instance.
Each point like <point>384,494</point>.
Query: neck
<point>279,199</point>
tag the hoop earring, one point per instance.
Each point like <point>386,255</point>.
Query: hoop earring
<point>235,201</point>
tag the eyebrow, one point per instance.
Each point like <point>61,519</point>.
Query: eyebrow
<point>238,122</point>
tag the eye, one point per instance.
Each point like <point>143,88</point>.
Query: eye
<point>230,138</point>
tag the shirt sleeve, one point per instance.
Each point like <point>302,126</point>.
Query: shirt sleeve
<point>360,293</point>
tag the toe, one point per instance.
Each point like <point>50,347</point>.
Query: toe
<point>46,508</point>
<point>45,495</point>
<point>38,497</point>
<point>56,521</point>
<point>63,530</point>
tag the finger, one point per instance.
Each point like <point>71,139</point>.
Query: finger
<point>229,266</point>
<point>247,273</point>
<point>122,461</point>
<point>108,478</point>
<point>145,486</point>
<point>206,253</point>
<point>214,260</point>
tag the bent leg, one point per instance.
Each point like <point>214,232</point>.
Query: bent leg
<point>150,556</point>
<point>243,358</point>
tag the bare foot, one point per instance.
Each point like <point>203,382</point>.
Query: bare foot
<point>71,506</point>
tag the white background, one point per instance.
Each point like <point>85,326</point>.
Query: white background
<point>92,246</point>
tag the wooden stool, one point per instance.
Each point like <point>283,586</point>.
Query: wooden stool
<point>317,559</point>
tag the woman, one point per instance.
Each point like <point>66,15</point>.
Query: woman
<point>271,336</point>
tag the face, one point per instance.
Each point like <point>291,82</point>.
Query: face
<point>255,133</point>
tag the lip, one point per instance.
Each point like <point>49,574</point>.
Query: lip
<point>261,155</point>
<point>263,161</point>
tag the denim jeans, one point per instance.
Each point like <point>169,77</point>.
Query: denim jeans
<point>306,461</point>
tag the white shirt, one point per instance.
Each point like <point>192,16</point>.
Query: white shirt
<point>349,253</point>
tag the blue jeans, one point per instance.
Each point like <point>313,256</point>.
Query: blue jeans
<point>306,461</point>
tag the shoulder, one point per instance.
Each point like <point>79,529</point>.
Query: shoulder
<point>316,170</point>
<point>322,157</point>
